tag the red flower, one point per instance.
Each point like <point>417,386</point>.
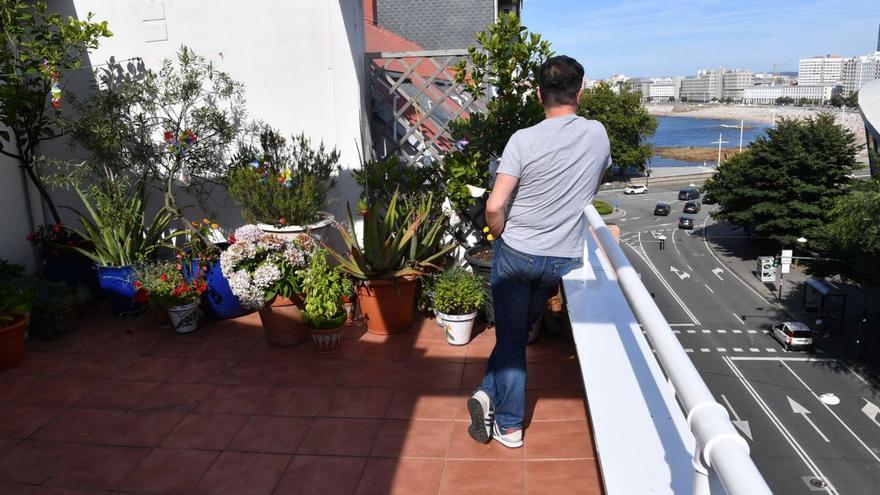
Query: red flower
<point>231,238</point>
<point>137,284</point>
<point>169,136</point>
<point>56,229</point>
<point>141,296</point>
<point>164,277</point>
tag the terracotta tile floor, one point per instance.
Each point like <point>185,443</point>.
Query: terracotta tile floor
<point>125,406</point>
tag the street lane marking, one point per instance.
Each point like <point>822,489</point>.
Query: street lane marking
<point>738,422</point>
<point>710,289</point>
<point>691,331</point>
<point>808,461</point>
<point>862,443</point>
<point>752,331</point>
<point>804,412</point>
<point>721,349</point>
<point>722,331</point>
<point>704,349</point>
<point>770,349</point>
<point>754,349</point>
<point>736,331</point>
<point>676,331</point>
<point>681,273</point>
<point>738,317</point>
<point>689,267</point>
<point>706,242</point>
<point>718,272</point>
<point>688,350</point>
<point>635,218</point>
<point>647,260</point>
<point>681,324</point>
<point>871,410</point>
<point>737,349</point>
<point>707,331</point>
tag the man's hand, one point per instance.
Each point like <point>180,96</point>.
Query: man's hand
<point>497,202</point>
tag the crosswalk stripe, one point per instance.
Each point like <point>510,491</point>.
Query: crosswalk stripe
<point>707,330</point>
<point>722,331</point>
<point>676,331</point>
<point>721,349</point>
<point>691,331</point>
<point>688,350</point>
<point>754,349</point>
<point>704,349</point>
<point>771,349</point>
<point>752,331</point>
<point>737,349</point>
<point>736,331</point>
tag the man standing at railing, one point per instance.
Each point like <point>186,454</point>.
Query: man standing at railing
<point>548,174</point>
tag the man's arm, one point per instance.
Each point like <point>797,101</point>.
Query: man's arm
<point>497,202</point>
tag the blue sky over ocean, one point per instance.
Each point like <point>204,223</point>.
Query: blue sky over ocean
<point>668,38</point>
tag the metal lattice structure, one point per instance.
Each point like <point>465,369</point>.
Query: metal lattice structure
<point>414,97</point>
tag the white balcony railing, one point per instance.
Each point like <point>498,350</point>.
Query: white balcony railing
<point>647,442</point>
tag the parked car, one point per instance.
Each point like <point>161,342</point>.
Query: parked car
<point>662,209</point>
<point>686,223</point>
<point>692,207</point>
<point>635,190</point>
<point>688,194</point>
<point>793,335</point>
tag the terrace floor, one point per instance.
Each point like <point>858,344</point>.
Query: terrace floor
<point>125,406</point>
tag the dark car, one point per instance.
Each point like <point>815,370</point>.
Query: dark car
<point>662,209</point>
<point>692,207</point>
<point>686,223</point>
<point>688,194</point>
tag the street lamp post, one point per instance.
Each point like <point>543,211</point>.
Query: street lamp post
<point>719,143</point>
<point>741,126</point>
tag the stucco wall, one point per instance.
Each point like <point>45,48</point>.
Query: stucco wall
<point>301,64</point>
<point>15,220</point>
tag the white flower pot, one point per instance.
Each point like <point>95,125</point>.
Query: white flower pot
<point>184,318</point>
<point>319,230</point>
<point>458,327</point>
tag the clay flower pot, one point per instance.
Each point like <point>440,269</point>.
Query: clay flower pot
<point>327,338</point>
<point>387,305</point>
<point>12,342</point>
<point>282,321</point>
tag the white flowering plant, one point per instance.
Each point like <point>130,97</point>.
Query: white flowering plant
<point>260,266</point>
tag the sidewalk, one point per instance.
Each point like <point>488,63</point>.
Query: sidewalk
<point>740,255</point>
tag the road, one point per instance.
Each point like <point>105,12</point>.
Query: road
<point>803,440</point>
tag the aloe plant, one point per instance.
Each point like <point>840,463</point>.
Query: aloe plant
<point>116,228</point>
<point>397,243</point>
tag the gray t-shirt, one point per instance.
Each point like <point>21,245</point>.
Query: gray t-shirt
<point>559,162</point>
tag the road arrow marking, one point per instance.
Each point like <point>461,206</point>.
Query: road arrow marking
<point>681,274</point>
<point>871,410</point>
<point>799,409</point>
<point>743,426</point>
<point>718,272</point>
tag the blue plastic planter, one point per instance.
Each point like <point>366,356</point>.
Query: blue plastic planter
<point>117,285</point>
<point>219,301</point>
<point>69,267</point>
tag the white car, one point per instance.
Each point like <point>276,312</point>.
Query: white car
<point>635,190</point>
<point>793,335</point>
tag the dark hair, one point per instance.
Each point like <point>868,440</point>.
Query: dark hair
<point>560,80</point>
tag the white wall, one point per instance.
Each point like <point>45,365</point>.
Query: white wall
<point>301,63</point>
<point>15,218</point>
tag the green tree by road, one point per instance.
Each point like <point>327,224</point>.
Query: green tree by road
<point>628,123</point>
<point>786,185</point>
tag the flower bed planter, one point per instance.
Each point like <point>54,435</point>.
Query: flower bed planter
<point>318,230</point>
<point>282,321</point>
<point>328,338</point>
<point>184,318</point>
<point>387,305</point>
<point>12,342</point>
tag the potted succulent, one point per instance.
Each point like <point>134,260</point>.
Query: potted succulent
<point>169,288</point>
<point>15,304</point>
<point>281,187</point>
<point>400,242</point>
<point>266,273</point>
<point>457,296</point>
<point>325,287</point>
<point>118,236</point>
<point>201,253</point>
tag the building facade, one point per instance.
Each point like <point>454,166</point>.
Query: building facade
<point>734,82</point>
<point>664,89</point>
<point>441,24</point>
<point>821,70</point>
<point>869,106</point>
<point>768,95</point>
<point>859,71</point>
<point>706,86</point>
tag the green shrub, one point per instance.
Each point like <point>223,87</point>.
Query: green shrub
<point>325,287</point>
<point>458,291</point>
<point>280,183</point>
<point>602,207</point>
<point>56,308</point>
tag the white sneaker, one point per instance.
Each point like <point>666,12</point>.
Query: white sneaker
<point>480,408</point>
<point>509,437</point>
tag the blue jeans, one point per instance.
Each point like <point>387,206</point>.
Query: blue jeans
<point>521,285</point>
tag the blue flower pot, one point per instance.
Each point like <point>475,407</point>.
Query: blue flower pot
<point>117,285</point>
<point>218,301</point>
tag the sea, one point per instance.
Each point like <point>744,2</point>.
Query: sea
<point>682,132</point>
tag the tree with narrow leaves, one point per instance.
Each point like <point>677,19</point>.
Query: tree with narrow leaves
<point>626,120</point>
<point>785,186</point>
<point>36,49</point>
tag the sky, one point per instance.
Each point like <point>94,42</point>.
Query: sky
<point>651,38</point>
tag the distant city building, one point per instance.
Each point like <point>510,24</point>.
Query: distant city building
<point>869,106</point>
<point>821,70</point>
<point>664,88</point>
<point>706,86</point>
<point>640,85</point>
<point>772,79</point>
<point>768,95</point>
<point>878,38</point>
<point>734,82</point>
<point>859,71</point>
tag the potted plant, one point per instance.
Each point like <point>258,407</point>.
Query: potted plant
<point>282,187</point>
<point>399,246</point>
<point>59,262</point>
<point>325,287</point>
<point>55,308</point>
<point>266,273</point>
<point>118,237</point>
<point>458,295</point>
<point>169,288</point>
<point>201,254</point>
<point>15,304</point>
